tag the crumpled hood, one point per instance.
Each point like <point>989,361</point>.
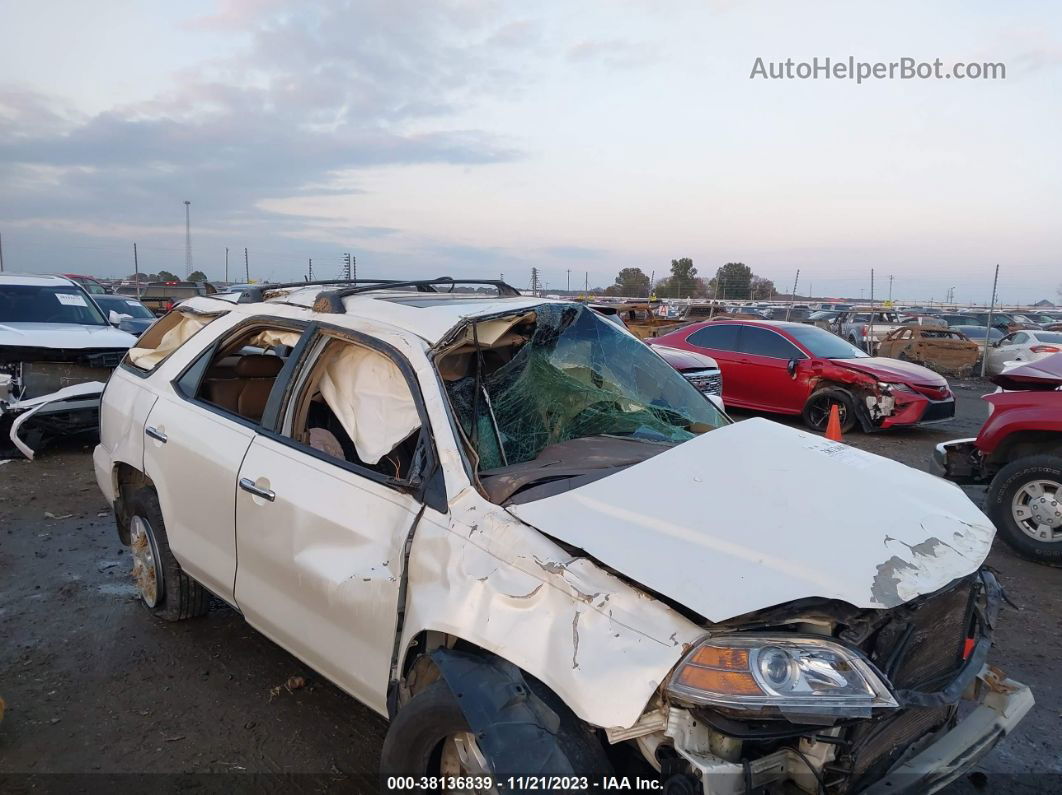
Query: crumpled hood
<point>893,370</point>
<point>756,514</point>
<point>63,335</point>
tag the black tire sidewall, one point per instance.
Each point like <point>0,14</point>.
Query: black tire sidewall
<point>835,396</point>
<point>417,729</point>
<point>1001,494</point>
<point>181,597</point>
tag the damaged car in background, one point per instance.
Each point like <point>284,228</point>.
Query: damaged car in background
<point>56,352</point>
<point>799,369</point>
<point>513,530</point>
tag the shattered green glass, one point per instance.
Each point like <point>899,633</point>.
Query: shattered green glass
<point>578,376</point>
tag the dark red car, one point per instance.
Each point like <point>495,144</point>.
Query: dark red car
<point>1018,453</point>
<point>794,368</point>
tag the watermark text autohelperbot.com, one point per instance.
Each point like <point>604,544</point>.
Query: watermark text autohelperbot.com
<point>860,71</point>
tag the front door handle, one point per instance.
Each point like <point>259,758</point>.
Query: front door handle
<point>155,433</point>
<point>248,485</point>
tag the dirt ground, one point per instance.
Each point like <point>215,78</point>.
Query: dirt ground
<point>101,695</point>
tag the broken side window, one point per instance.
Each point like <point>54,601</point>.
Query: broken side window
<point>564,373</point>
<point>168,334</point>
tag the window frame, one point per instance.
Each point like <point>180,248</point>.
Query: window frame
<point>139,372</point>
<point>801,354</point>
<point>688,339</point>
<point>211,350</point>
<point>427,485</point>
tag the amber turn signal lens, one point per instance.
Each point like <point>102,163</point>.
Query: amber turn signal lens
<point>728,659</point>
<point>716,681</point>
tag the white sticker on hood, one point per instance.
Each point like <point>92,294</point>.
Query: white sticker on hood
<point>69,299</point>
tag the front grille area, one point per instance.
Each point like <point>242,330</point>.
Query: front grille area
<point>920,649</point>
<point>708,382</point>
<point>939,411</point>
<point>932,392</point>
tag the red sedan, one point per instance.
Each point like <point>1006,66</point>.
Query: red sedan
<point>794,368</point>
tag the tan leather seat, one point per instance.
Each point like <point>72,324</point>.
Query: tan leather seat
<point>247,393</point>
<point>258,374</point>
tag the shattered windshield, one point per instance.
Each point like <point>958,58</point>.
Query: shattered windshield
<point>560,373</point>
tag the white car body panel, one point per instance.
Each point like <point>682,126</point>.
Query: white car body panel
<point>1007,354</point>
<point>602,645</point>
<point>122,418</point>
<point>319,573</point>
<point>63,335</point>
<point>758,514</point>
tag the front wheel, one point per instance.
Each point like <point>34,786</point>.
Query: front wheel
<point>1025,504</point>
<point>816,412</point>
<point>430,737</point>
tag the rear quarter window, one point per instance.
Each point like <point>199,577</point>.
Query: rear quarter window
<point>165,337</point>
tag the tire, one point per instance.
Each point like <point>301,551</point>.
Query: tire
<point>175,596</point>
<point>816,412</point>
<point>415,741</point>
<point>1007,492</point>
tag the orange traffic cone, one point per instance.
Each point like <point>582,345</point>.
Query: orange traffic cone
<point>833,427</point>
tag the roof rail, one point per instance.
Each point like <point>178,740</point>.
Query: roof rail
<point>332,300</point>
<point>255,294</point>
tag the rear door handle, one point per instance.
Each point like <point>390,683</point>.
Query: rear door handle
<point>155,433</point>
<point>248,485</point>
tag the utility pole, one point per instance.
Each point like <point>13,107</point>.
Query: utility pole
<point>534,282</point>
<point>354,268</point>
<point>988,331</point>
<point>346,266</point>
<point>1,253</point>
<point>246,266</point>
<point>890,288</point>
<point>586,284</point>
<point>569,288</point>
<point>871,287</point>
<point>136,271</point>
<point>187,239</point>
<point>226,264</point>
<point>309,269</point>
<point>792,298</point>
<point>652,280</point>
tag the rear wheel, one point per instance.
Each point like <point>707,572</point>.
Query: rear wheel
<point>160,581</point>
<point>1025,503</point>
<point>816,412</point>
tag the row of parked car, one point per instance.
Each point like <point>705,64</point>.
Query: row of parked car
<point>513,530</point>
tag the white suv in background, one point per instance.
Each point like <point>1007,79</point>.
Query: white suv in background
<point>56,351</point>
<point>515,531</point>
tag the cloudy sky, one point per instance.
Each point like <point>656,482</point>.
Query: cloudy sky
<point>476,138</point>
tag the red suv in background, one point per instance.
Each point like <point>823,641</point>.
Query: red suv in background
<point>794,368</point>
<point>1018,453</point>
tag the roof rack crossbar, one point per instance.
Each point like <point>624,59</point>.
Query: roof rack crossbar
<point>254,295</point>
<point>332,300</point>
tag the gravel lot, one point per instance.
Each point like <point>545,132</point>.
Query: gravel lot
<point>98,690</point>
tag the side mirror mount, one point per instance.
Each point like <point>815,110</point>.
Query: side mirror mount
<point>791,367</point>
<point>114,318</point>
<point>717,401</point>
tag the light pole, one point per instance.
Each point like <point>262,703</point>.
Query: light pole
<point>187,239</point>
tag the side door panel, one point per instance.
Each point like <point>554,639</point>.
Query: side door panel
<point>194,475</point>
<point>764,381</point>
<point>320,564</point>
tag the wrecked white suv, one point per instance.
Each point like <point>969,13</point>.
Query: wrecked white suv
<point>56,351</point>
<point>514,530</point>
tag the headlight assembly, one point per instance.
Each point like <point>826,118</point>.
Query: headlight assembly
<point>801,677</point>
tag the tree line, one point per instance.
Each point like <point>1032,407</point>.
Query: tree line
<point>734,280</point>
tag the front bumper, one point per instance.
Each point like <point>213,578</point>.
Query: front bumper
<point>919,410</point>
<point>931,764</point>
<point>1003,703</point>
<point>957,461</point>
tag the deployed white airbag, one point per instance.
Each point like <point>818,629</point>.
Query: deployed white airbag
<point>147,358</point>
<point>371,398</point>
